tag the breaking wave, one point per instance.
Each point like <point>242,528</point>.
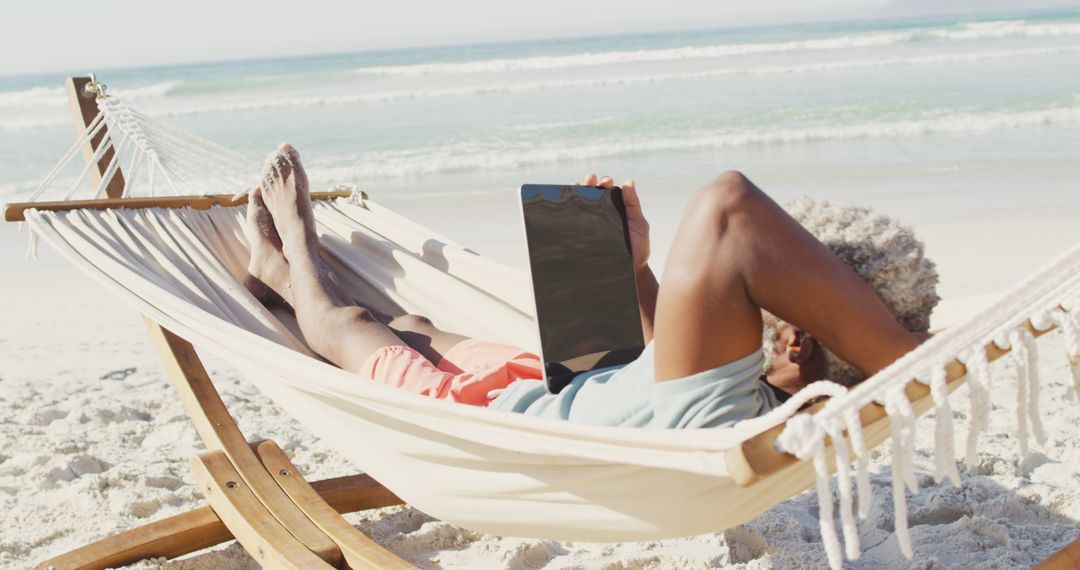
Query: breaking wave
<point>979,30</point>
<point>471,155</point>
<point>179,109</point>
<point>53,97</point>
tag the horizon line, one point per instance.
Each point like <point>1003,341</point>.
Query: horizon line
<point>856,18</point>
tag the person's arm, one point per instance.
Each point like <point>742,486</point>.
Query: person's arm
<point>638,228</point>
<point>647,288</point>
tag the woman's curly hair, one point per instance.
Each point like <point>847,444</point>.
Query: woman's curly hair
<point>885,253</point>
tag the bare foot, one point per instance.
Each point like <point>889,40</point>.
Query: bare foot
<point>268,271</point>
<point>285,190</point>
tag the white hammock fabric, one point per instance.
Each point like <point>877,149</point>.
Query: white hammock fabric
<point>496,472</point>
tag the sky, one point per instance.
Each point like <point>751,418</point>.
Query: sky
<point>78,35</point>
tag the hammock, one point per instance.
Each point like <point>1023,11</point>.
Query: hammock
<point>495,472</point>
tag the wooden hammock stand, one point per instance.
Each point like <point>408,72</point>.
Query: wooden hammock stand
<point>258,496</point>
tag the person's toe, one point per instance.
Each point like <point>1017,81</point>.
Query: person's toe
<point>289,151</point>
<point>264,220</point>
<point>292,156</point>
<point>251,214</point>
<point>278,168</point>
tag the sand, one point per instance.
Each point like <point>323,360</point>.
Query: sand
<point>93,441</point>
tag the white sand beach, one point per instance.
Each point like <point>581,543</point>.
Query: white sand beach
<point>93,439</point>
<point>966,127</point>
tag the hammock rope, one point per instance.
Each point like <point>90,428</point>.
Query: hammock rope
<point>507,473</point>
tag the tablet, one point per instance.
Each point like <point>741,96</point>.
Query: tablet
<point>583,279</point>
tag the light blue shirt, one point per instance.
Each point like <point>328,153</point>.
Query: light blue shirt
<point>629,396</point>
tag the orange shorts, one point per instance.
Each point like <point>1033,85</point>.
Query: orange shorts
<point>471,372</point>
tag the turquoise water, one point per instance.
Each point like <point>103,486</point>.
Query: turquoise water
<point>870,97</point>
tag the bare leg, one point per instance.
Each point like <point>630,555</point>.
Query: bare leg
<point>737,252</point>
<point>294,271</point>
<point>332,325</point>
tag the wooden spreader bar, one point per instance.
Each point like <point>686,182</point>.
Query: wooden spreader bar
<point>16,212</point>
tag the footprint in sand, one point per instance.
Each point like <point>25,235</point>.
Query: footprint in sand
<point>124,414</point>
<point>46,417</point>
<point>164,482</point>
<point>118,375</point>
<point>143,509</point>
<point>74,468</point>
<point>744,544</point>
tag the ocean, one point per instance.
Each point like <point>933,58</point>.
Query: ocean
<point>931,116</point>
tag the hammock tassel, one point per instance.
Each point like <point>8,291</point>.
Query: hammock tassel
<point>1069,325</point>
<point>862,462</point>
<point>843,482</point>
<point>825,508</point>
<point>805,438</point>
<point>900,423</point>
<point>944,442</point>
<point>978,373</point>
<point>1024,357</point>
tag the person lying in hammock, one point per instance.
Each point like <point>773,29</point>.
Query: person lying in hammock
<point>740,269</point>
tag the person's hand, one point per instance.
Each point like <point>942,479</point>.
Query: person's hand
<point>636,223</point>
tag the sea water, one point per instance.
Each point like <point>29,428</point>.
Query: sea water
<point>934,115</point>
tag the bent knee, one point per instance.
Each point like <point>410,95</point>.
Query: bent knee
<point>728,192</point>
<point>719,200</point>
<point>411,323</point>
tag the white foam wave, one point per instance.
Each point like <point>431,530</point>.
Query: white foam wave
<point>614,81</point>
<point>1006,28</point>
<point>638,56</point>
<point>36,98</point>
<point>148,92</point>
<point>27,123</point>
<point>472,156</point>
<point>997,29</point>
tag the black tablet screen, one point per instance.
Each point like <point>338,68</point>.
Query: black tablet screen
<point>583,279</point>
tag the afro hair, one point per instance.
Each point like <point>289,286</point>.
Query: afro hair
<point>885,253</point>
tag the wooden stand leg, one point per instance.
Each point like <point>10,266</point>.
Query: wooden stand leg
<point>167,538</point>
<point>202,528</point>
<point>255,528</point>
<point>1067,558</point>
<point>359,551</point>
<point>220,433</point>
<point>281,491</point>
